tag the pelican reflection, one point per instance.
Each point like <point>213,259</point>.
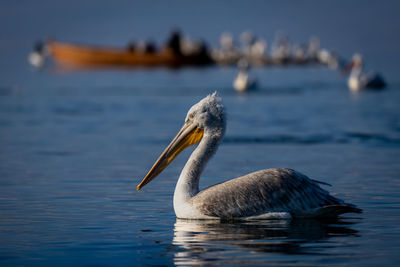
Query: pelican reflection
<point>206,241</point>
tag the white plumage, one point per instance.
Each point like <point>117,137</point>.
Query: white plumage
<point>243,82</point>
<point>359,80</point>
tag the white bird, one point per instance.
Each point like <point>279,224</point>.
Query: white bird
<point>36,59</point>
<point>270,193</point>
<point>359,80</point>
<point>314,47</point>
<point>228,53</point>
<point>281,49</point>
<point>38,56</point>
<point>329,58</point>
<point>243,81</point>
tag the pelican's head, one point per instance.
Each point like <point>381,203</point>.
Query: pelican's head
<point>208,114</point>
<point>355,65</point>
<point>206,118</point>
<point>357,60</point>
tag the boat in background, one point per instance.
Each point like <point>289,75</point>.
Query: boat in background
<point>87,56</point>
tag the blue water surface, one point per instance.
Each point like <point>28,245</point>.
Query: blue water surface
<point>74,145</point>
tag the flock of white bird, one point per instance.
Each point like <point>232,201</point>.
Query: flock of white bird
<point>254,52</point>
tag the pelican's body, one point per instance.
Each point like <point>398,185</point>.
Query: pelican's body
<point>359,80</point>
<point>36,59</point>
<point>243,82</point>
<point>38,56</point>
<point>282,193</point>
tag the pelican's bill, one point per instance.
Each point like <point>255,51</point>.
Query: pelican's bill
<point>188,135</point>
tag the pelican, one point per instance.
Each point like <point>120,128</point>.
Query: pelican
<point>329,58</point>
<point>265,194</point>
<point>243,81</point>
<point>281,49</point>
<point>359,80</point>
<point>37,57</point>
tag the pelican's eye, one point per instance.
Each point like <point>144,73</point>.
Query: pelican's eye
<point>190,116</point>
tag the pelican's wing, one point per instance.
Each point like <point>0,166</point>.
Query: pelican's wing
<point>271,190</point>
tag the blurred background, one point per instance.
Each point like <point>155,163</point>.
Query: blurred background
<point>74,143</point>
<point>346,28</point>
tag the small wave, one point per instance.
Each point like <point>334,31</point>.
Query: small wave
<point>313,139</point>
<point>281,139</point>
<point>59,153</point>
<point>78,109</point>
<point>367,137</point>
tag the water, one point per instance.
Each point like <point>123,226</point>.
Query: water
<point>75,145</point>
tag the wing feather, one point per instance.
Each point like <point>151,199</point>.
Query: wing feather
<point>271,190</point>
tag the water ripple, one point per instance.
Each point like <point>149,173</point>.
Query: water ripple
<point>350,137</point>
<point>201,241</point>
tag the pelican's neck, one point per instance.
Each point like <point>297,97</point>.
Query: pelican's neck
<point>356,71</point>
<point>188,183</point>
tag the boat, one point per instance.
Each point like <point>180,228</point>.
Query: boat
<point>88,56</point>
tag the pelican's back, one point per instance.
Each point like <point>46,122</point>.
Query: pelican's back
<point>268,191</point>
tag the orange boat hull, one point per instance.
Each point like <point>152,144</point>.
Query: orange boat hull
<point>72,55</point>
